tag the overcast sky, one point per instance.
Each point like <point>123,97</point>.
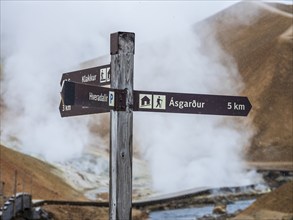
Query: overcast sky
<point>103,17</point>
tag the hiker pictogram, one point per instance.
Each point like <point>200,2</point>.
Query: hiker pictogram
<point>159,102</point>
<point>103,75</point>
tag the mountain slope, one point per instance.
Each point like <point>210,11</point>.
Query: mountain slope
<point>258,37</point>
<point>275,205</point>
<point>33,176</point>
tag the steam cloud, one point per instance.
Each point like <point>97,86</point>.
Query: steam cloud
<point>46,39</point>
<point>186,151</point>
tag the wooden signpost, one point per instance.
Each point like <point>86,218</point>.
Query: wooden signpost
<point>122,62</point>
<point>82,93</point>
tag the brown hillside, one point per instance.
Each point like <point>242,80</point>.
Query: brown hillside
<point>275,205</point>
<point>282,7</point>
<point>33,176</point>
<point>46,185</point>
<point>259,38</point>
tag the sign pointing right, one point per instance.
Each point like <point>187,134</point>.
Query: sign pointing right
<point>191,103</point>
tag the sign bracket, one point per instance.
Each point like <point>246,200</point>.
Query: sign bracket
<point>120,100</point>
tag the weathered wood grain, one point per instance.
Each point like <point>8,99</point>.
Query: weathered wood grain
<point>122,62</point>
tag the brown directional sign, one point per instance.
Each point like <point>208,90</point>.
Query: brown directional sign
<point>77,94</point>
<point>191,103</point>
<point>75,110</point>
<point>100,75</point>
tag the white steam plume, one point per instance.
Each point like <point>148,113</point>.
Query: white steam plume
<point>186,151</point>
<point>40,40</point>
<point>48,38</point>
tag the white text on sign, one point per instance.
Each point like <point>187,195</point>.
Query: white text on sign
<point>235,106</point>
<point>185,104</point>
<point>88,78</point>
<point>98,98</point>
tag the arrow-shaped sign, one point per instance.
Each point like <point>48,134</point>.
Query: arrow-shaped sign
<point>77,94</point>
<point>100,75</point>
<point>191,103</point>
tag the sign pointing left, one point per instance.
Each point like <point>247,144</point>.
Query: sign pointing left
<point>88,96</point>
<point>100,75</point>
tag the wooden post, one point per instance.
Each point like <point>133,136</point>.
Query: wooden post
<point>122,62</point>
